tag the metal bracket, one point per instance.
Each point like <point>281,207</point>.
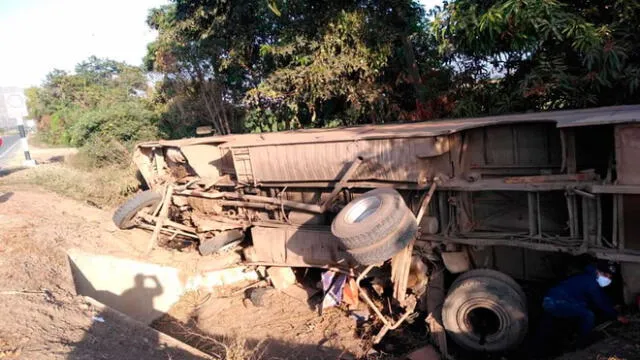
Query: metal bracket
<point>388,324</point>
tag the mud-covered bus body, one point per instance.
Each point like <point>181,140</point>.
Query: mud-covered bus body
<point>516,193</point>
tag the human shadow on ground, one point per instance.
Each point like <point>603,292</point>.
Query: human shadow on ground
<point>114,335</point>
<point>5,197</point>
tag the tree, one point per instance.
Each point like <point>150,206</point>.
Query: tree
<point>517,55</point>
<point>281,65</point>
<point>103,98</point>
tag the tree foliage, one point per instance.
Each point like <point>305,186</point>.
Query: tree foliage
<point>540,54</point>
<point>268,65</point>
<point>102,99</point>
<point>282,65</point>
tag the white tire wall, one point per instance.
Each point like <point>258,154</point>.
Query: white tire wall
<point>375,226</point>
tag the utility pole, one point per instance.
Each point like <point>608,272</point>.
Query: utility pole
<point>28,161</point>
<point>17,109</point>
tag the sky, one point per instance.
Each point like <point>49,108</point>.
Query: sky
<point>37,36</point>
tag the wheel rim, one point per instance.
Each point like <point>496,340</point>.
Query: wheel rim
<point>482,320</point>
<point>362,209</point>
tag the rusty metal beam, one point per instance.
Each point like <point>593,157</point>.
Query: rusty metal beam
<point>538,215</point>
<point>572,166</point>
<point>388,324</point>
<point>343,182</point>
<point>572,228</point>
<point>154,219</point>
<point>353,184</point>
<point>163,214</point>
<point>614,189</point>
<point>576,218</point>
<point>598,221</point>
<point>443,210</point>
<point>584,193</point>
<point>602,253</point>
<point>550,178</point>
<point>615,255</point>
<point>621,234</point>
<point>345,270</point>
<point>170,231</point>
<point>614,223</point>
<point>248,204</point>
<point>499,242</point>
<point>426,201</point>
<point>532,213</point>
<point>563,146</point>
<point>253,200</point>
<point>585,222</point>
<point>497,184</point>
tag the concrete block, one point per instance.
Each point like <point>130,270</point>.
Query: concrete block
<point>281,277</point>
<point>456,262</point>
<point>209,280</point>
<point>141,290</point>
<point>163,339</point>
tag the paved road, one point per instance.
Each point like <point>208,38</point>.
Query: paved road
<point>10,145</point>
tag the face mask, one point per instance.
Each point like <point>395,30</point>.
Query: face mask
<point>603,281</point>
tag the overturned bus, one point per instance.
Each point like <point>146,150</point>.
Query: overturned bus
<point>502,197</point>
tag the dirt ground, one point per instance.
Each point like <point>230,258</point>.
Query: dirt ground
<point>42,155</point>
<point>277,327</point>
<point>618,342</point>
<point>41,317</point>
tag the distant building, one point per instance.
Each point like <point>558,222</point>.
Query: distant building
<point>7,110</point>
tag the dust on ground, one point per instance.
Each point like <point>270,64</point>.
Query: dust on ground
<point>41,155</point>
<point>60,171</point>
<point>618,342</point>
<point>278,326</point>
<point>42,317</point>
<point>47,320</point>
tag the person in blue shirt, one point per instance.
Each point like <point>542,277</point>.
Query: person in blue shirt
<point>577,297</point>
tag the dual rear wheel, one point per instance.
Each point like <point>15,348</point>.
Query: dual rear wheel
<point>375,226</point>
<point>485,310</point>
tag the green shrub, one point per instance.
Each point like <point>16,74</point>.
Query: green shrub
<point>98,152</point>
<point>125,122</point>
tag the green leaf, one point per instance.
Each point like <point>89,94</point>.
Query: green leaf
<point>273,7</point>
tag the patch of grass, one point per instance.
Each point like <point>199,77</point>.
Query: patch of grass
<point>220,347</point>
<point>181,323</point>
<point>38,140</point>
<point>103,187</point>
<point>237,348</point>
<point>100,153</point>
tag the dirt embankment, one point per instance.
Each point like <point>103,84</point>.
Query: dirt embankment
<point>62,171</point>
<point>47,320</point>
<point>41,316</point>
